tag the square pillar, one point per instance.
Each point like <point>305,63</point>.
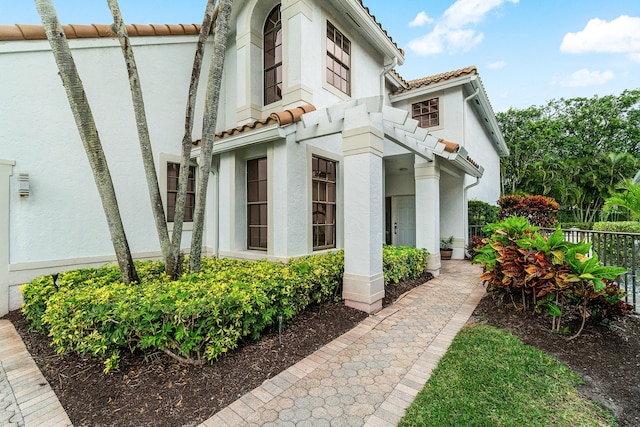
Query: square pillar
<point>363,283</point>
<point>427,176</point>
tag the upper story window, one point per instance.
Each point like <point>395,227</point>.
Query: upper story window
<point>257,225</point>
<point>338,59</point>
<point>273,57</point>
<point>323,203</point>
<point>427,113</point>
<point>173,173</point>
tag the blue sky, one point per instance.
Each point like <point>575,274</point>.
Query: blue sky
<point>527,51</point>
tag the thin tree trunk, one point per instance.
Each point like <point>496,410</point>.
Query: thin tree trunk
<point>89,135</point>
<point>143,130</point>
<point>187,139</point>
<point>209,127</point>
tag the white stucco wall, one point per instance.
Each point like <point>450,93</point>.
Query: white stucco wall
<point>62,223</point>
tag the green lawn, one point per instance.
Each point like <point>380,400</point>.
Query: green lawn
<point>489,378</point>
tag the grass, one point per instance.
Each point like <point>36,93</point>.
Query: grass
<point>489,378</point>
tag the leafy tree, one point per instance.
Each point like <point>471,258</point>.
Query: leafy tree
<point>573,150</point>
<point>628,199</point>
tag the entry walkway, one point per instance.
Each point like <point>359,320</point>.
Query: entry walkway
<point>26,399</point>
<point>367,377</point>
<point>371,374</point>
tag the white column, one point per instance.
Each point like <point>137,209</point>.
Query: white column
<point>363,284</point>
<point>427,176</point>
<point>6,170</point>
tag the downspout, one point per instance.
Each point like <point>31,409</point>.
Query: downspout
<point>465,214</point>
<point>384,72</point>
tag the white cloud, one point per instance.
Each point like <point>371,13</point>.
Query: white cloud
<point>622,35</point>
<point>420,19</point>
<point>635,57</point>
<point>496,65</point>
<point>452,31</point>
<point>583,78</point>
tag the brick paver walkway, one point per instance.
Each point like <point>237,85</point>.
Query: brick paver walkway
<point>367,377</point>
<point>26,399</point>
<point>370,375</point>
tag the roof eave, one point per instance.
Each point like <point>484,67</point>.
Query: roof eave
<point>354,10</point>
<point>488,117</point>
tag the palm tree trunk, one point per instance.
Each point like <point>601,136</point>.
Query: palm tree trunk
<point>89,136</point>
<point>209,127</point>
<point>143,130</point>
<point>173,267</point>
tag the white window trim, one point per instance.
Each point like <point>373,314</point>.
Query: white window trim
<point>325,84</point>
<point>162,184</point>
<point>318,152</point>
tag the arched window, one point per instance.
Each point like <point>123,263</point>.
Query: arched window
<point>273,57</point>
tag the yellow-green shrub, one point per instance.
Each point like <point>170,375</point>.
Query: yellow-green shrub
<point>198,316</point>
<point>404,262</point>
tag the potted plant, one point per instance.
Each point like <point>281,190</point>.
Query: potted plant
<point>446,248</point>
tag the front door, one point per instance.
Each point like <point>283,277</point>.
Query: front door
<point>403,214</point>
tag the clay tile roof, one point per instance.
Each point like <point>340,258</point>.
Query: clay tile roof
<point>282,118</point>
<point>449,146</point>
<point>380,26</point>
<point>74,31</point>
<point>293,115</point>
<point>426,81</point>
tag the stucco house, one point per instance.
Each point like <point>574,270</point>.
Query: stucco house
<point>321,145</point>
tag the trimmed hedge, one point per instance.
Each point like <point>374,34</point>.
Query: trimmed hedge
<point>197,317</point>
<point>620,226</point>
<point>404,262</point>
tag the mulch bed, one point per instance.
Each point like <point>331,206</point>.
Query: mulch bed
<point>156,390</point>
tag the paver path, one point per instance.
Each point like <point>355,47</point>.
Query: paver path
<point>371,374</point>
<point>26,399</point>
<point>368,376</point>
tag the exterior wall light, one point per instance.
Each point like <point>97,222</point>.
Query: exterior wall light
<point>23,185</point>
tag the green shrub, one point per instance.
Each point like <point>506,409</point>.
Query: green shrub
<point>199,316</point>
<point>620,227</point>
<point>480,212</point>
<point>546,272</point>
<point>404,262</point>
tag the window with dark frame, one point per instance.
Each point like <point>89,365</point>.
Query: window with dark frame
<point>273,57</point>
<point>257,225</point>
<point>427,113</point>
<point>323,181</point>
<point>338,59</point>
<point>173,173</point>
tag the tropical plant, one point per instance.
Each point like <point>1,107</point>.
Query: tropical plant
<point>546,272</point>
<point>628,198</point>
<point>538,210</point>
<point>446,244</point>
